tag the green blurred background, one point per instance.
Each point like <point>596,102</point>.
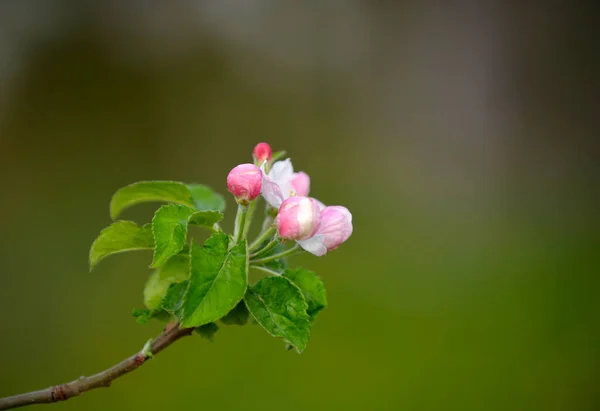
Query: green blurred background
<point>460,135</point>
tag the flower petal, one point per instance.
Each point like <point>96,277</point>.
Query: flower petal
<point>298,218</point>
<point>271,192</point>
<point>277,185</point>
<point>321,205</point>
<point>314,245</point>
<point>335,226</point>
<point>301,183</point>
<point>282,171</point>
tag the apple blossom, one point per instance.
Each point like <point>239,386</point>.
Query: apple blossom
<point>335,227</point>
<point>298,218</point>
<point>281,183</point>
<point>245,182</point>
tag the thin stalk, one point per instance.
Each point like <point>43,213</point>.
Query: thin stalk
<point>240,219</point>
<point>274,257</point>
<point>261,238</point>
<point>249,217</point>
<point>272,244</point>
<point>267,223</point>
<point>265,269</point>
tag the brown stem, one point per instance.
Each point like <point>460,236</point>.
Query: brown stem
<point>102,379</point>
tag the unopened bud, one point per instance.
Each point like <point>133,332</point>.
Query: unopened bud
<point>245,182</point>
<point>262,152</point>
<point>336,226</point>
<point>298,218</point>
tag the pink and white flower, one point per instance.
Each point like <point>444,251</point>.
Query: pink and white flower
<point>314,226</point>
<point>245,182</point>
<point>335,227</point>
<point>281,183</point>
<point>298,218</point>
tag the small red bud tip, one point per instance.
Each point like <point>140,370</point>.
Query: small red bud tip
<point>262,152</point>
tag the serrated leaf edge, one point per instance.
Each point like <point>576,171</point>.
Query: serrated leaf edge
<point>221,216</point>
<point>115,213</point>
<point>318,277</point>
<point>279,336</point>
<point>156,213</point>
<point>220,268</point>
<point>94,264</point>
<point>193,212</point>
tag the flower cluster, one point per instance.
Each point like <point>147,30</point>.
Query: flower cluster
<point>210,283</point>
<point>315,227</point>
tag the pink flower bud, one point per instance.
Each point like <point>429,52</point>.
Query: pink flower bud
<point>298,218</point>
<point>262,152</point>
<point>301,183</point>
<point>245,182</point>
<point>336,226</point>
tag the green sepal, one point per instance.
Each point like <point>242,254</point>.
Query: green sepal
<point>278,155</point>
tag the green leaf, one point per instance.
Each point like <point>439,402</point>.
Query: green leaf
<point>205,199</point>
<point>218,280</point>
<point>148,191</point>
<point>169,227</point>
<point>278,305</point>
<point>172,302</point>
<point>120,237</point>
<point>162,315</point>
<point>205,218</point>
<point>238,316</point>
<point>142,316</point>
<point>208,331</point>
<point>312,288</point>
<point>173,271</point>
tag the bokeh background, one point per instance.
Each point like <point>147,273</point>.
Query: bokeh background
<point>461,135</point>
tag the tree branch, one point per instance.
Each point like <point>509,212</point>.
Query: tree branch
<point>102,379</point>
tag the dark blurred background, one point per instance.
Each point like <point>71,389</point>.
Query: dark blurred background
<point>461,135</point>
